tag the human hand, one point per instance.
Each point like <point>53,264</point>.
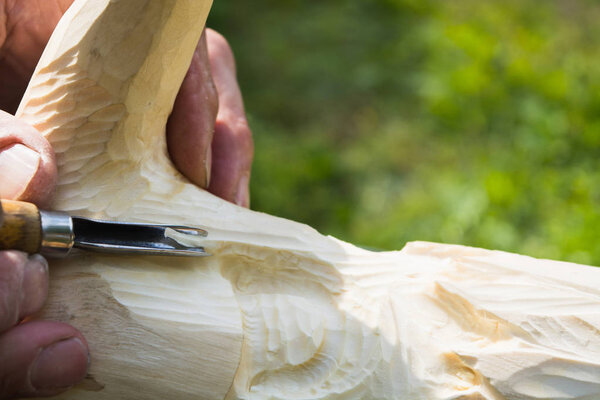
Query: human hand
<point>207,134</point>
<point>37,358</point>
<point>40,358</point>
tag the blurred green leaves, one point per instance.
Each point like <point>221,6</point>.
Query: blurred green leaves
<point>461,122</point>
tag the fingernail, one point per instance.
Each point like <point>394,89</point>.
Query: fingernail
<point>18,164</point>
<point>242,196</point>
<point>61,365</point>
<point>34,286</point>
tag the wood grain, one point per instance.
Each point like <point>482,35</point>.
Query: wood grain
<point>21,227</point>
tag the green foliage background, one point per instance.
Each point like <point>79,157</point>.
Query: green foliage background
<point>386,121</point>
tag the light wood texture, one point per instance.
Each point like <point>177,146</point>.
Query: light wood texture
<point>21,227</point>
<point>278,311</point>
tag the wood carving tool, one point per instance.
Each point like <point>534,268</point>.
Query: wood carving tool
<point>55,234</point>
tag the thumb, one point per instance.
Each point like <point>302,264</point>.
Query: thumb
<point>27,164</point>
<point>41,358</point>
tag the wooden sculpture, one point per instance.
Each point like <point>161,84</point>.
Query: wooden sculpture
<point>278,311</point>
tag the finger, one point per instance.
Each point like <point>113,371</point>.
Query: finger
<point>27,164</point>
<point>41,358</point>
<point>232,148</point>
<point>25,28</point>
<point>191,124</point>
<point>23,286</point>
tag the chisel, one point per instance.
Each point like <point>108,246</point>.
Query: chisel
<point>56,234</point>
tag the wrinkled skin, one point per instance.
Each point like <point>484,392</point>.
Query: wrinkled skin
<point>209,142</point>
<point>208,136</point>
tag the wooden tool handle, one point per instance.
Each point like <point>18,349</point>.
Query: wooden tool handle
<point>20,226</point>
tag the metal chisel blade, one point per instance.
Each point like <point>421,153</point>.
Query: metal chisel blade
<point>134,238</point>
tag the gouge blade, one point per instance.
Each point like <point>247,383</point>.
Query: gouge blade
<point>136,238</point>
